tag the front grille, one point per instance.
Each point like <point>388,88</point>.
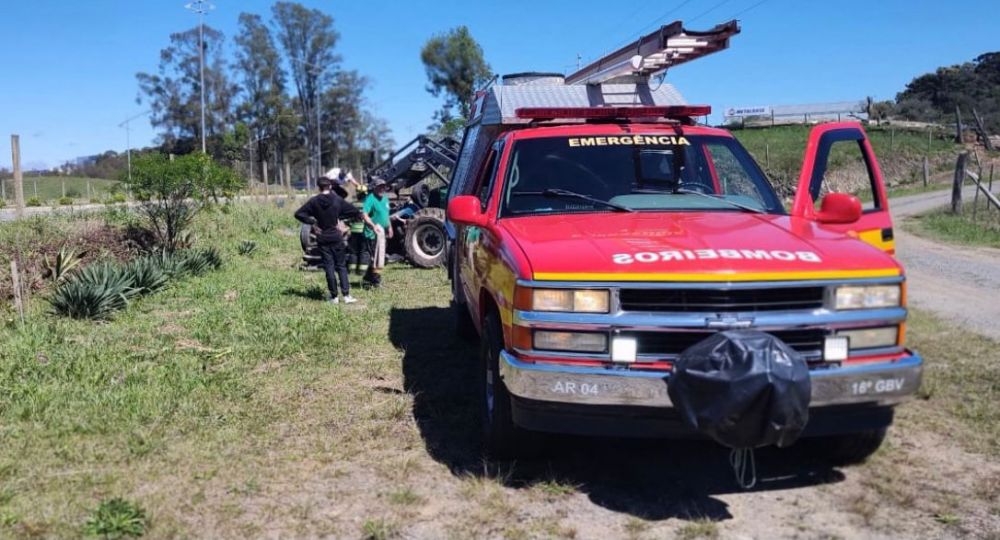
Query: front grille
<point>668,344</point>
<point>721,300</point>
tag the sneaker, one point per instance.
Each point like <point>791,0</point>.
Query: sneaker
<point>350,299</point>
<point>334,300</point>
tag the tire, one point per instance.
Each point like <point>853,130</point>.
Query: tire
<point>425,238</point>
<point>850,449</point>
<point>310,254</point>
<point>502,440</point>
<point>421,195</point>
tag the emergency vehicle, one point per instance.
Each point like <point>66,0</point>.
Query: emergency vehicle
<point>596,231</point>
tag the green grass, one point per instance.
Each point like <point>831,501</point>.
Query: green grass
<point>963,229</point>
<point>196,383</point>
<point>238,404</point>
<point>49,189</point>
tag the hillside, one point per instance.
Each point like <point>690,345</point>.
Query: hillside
<point>900,152</point>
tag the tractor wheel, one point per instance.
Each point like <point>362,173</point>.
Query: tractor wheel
<point>425,238</point>
<point>421,195</point>
<point>310,255</point>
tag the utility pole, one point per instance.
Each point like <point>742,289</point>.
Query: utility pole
<point>201,7</point>
<point>128,140</point>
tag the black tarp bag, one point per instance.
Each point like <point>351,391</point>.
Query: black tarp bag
<point>744,389</point>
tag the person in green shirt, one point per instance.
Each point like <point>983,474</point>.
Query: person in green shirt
<point>376,207</point>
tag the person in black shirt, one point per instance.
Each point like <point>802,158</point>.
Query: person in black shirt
<point>324,212</point>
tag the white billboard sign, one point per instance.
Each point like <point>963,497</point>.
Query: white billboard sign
<point>736,112</point>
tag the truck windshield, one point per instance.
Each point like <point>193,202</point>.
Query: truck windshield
<point>640,172</point>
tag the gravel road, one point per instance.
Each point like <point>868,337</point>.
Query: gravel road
<point>958,283</point>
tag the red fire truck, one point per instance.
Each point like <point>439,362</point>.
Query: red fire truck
<point>597,232</point>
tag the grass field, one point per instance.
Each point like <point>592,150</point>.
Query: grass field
<point>238,404</point>
<point>941,224</point>
<point>49,189</point>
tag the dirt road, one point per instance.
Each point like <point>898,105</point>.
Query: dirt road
<point>958,283</point>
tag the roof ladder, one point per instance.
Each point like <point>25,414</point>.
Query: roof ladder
<point>669,46</point>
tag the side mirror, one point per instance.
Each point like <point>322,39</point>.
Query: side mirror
<point>839,208</point>
<point>466,210</point>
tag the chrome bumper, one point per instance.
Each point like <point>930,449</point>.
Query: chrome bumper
<point>884,383</point>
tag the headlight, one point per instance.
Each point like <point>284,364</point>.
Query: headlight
<point>584,301</point>
<point>571,341</point>
<point>870,338</point>
<point>867,297</point>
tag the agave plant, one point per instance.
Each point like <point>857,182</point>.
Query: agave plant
<point>246,248</point>
<point>146,275</point>
<point>95,292</point>
<point>65,261</point>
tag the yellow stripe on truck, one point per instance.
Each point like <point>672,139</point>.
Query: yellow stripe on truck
<point>874,237</point>
<point>741,276</point>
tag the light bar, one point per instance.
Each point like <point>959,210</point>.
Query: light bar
<point>673,111</point>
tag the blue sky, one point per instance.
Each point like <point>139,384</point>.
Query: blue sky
<point>72,78</point>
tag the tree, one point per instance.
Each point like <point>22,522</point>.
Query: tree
<point>173,92</point>
<point>934,96</point>
<point>455,69</point>
<point>174,191</point>
<point>259,65</point>
<point>308,38</point>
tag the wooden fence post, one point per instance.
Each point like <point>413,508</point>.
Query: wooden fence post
<point>982,130</point>
<point>18,299</point>
<point>929,132</point>
<point>15,154</point>
<point>958,125</point>
<point>767,155</point>
<point>956,185</point>
<point>927,171</point>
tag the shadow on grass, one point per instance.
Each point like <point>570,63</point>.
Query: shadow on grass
<point>651,479</point>
<point>312,292</point>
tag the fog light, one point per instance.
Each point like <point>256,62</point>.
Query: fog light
<point>624,349</point>
<point>835,349</point>
<point>870,338</point>
<point>571,341</point>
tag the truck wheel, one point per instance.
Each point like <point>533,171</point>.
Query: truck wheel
<point>850,449</point>
<point>501,438</point>
<point>425,238</point>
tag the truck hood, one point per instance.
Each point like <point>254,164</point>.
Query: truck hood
<point>691,246</point>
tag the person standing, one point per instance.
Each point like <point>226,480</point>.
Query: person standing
<point>324,212</point>
<point>376,209</point>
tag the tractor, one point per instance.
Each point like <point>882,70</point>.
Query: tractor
<point>417,175</point>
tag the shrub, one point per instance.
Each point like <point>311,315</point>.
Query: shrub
<point>73,193</point>
<point>97,296</point>
<point>95,200</point>
<point>65,201</point>
<point>246,248</point>
<point>146,275</point>
<point>116,198</point>
<point>173,192</point>
<point>33,201</point>
<point>116,518</point>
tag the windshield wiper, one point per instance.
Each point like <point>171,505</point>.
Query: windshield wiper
<point>719,198</point>
<point>555,193</point>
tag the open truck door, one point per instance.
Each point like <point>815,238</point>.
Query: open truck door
<point>839,161</point>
